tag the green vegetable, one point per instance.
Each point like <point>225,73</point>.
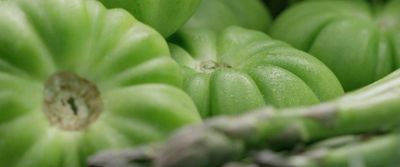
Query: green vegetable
<point>220,14</point>
<point>76,78</point>
<point>166,16</point>
<point>237,70</point>
<point>342,151</point>
<point>364,150</point>
<point>378,151</point>
<point>223,139</point>
<point>357,41</point>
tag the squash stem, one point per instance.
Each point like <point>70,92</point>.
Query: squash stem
<point>71,102</point>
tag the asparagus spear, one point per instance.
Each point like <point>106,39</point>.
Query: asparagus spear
<point>347,151</point>
<point>139,157</point>
<point>219,140</point>
<point>381,151</point>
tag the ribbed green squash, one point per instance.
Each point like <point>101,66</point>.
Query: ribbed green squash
<point>127,62</point>
<point>166,16</point>
<point>238,70</point>
<point>358,41</point>
<point>220,14</point>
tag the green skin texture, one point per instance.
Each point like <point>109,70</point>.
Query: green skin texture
<point>357,41</point>
<point>250,71</point>
<point>220,14</point>
<point>128,61</point>
<point>166,16</point>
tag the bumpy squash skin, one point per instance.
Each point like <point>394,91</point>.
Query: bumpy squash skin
<point>166,16</point>
<point>220,14</point>
<point>238,70</point>
<point>357,41</point>
<point>128,61</point>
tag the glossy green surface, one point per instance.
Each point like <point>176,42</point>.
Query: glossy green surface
<point>166,16</point>
<point>128,61</point>
<point>220,14</point>
<point>238,70</point>
<point>359,42</point>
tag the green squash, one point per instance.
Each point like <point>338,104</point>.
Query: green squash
<point>76,78</point>
<point>166,16</point>
<point>238,70</point>
<point>220,14</point>
<point>358,41</point>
